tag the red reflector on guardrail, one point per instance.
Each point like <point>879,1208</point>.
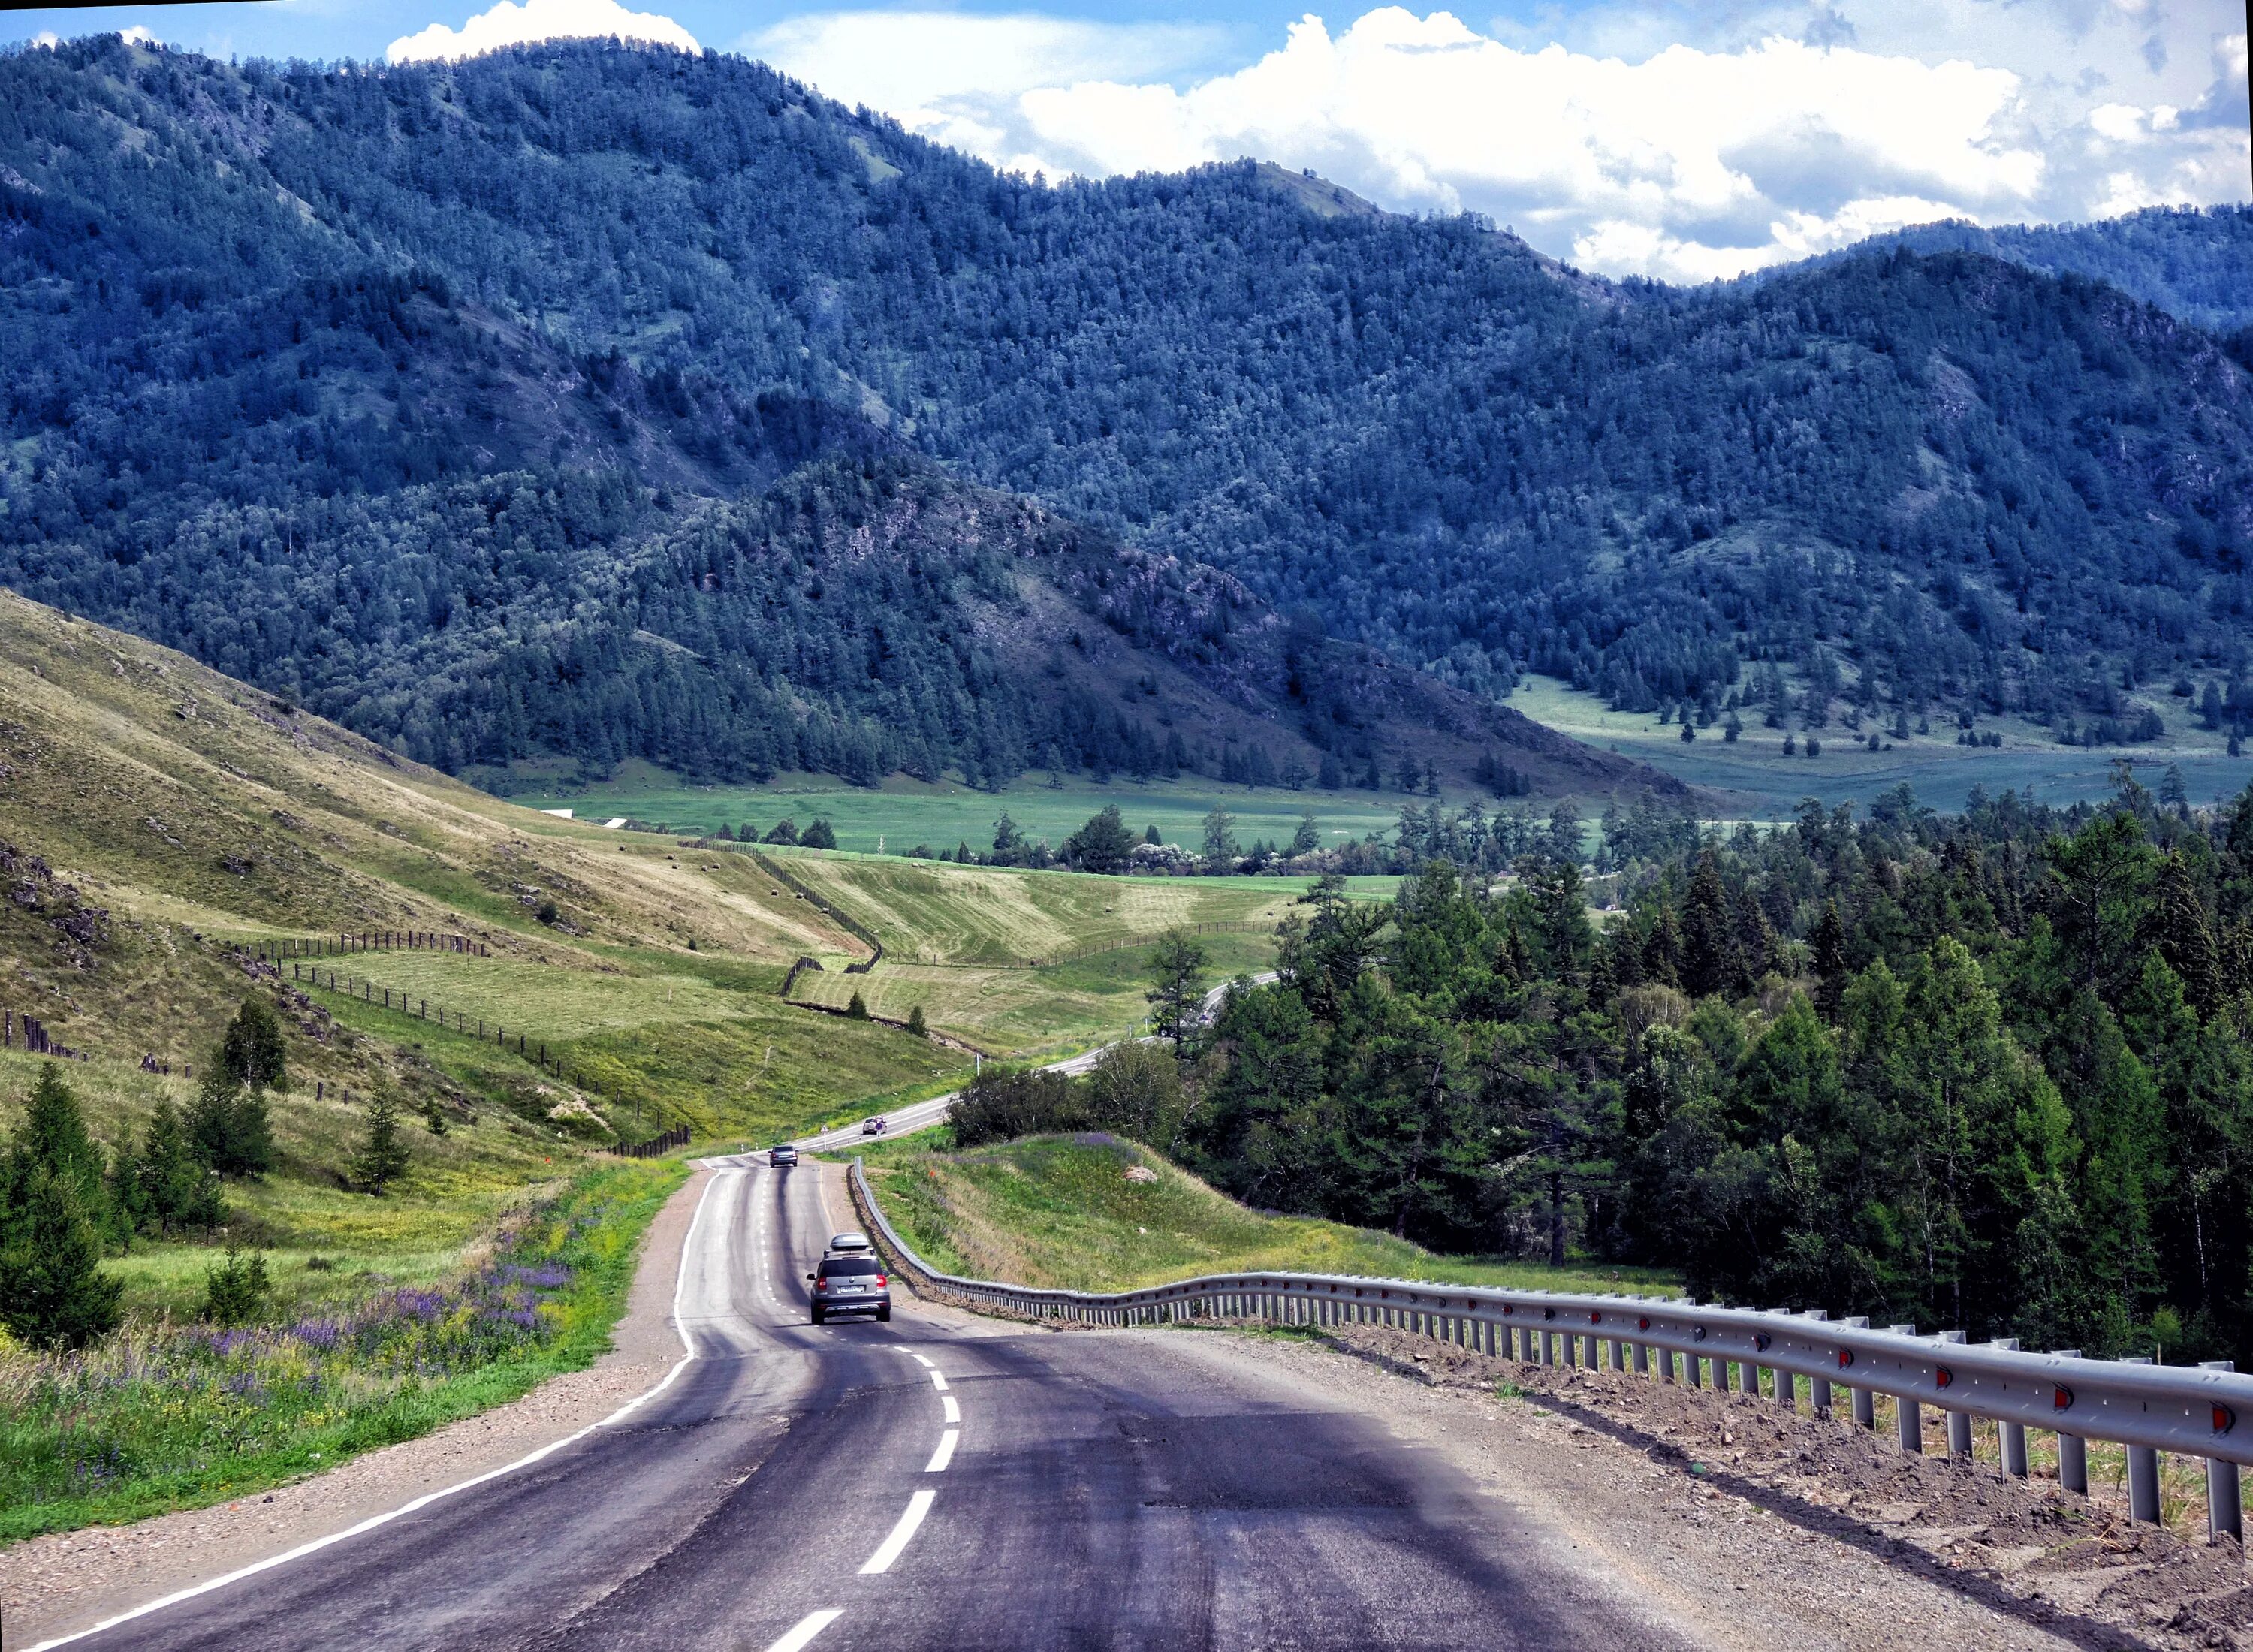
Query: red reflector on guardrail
<point>2062,1399</point>
<point>1643,1323</point>
<point>1943,1377</point>
<point>1509,1307</point>
<point>1846,1358</point>
<point>2224,1419</point>
<point>1595,1319</point>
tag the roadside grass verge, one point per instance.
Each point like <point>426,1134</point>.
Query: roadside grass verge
<point>166,1416</point>
<point>1060,1211</point>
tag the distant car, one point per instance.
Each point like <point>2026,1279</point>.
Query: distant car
<point>850,1244</point>
<point>875,1126</point>
<point>850,1284</point>
<point>785,1155</point>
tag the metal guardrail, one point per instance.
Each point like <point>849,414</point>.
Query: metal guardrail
<point>2194,1412</point>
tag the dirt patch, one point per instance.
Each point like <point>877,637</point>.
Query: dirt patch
<point>2028,1551</point>
<point>61,1584</point>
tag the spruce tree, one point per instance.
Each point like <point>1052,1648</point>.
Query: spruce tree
<point>381,1158</point>
<point>1177,972</point>
<point>52,1291</point>
<point>176,1187</point>
<point>53,1137</point>
<point>1830,962</point>
<point>916,1024</point>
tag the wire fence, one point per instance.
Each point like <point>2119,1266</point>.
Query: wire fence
<point>282,950</point>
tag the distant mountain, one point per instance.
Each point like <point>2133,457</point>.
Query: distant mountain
<point>414,389</point>
<point>2194,264</point>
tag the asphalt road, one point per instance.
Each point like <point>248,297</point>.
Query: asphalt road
<point>938,1481</point>
<point>924,1114</point>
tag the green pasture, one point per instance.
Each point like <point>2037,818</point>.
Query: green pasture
<point>903,814</point>
<point>1019,1012</point>
<point>1753,777</point>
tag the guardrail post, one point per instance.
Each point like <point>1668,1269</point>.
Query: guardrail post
<point>1908,1416</point>
<point>1866,1401</point>
<point>1959,1423</point>
<point>1619,1354</point>
<point>1818,1388</point>
<point>2143,1471</point>
<point>2071,1450</point>
<point>1787,1390</point>
<point>2225,1515</point>
<point>1642,1359</point>
<point>1693,1369</point>
<point>2014,1434</point>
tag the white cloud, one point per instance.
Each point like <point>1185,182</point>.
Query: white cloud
<point>509,23</point>
<point>140,35</point>
<point>1779,128</point>
<point>46,40</point>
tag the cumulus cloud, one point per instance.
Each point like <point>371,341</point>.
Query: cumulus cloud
<point>140,35</point>
<point>1776,130</point>
<point>510,23</point>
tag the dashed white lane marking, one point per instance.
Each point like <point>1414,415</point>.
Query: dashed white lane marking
<point>945,1455</point>
<point>919,1505</point>
<point>953,1411</point>
<point>809,1625</point>
<point>938,1381</point>
<point>921,1361</point>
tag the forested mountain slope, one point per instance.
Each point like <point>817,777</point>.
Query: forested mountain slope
<point>269,313</point>
<point>2197,264</point>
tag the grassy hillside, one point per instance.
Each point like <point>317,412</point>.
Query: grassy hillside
<point>1753,777</point>
<point>1062,1211</point>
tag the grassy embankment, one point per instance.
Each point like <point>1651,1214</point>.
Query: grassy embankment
<point>1060,1211</point>
<point>163,1416</point>
<point>1753,777</point>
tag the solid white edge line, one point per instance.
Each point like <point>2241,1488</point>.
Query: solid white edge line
<point>919,1505</point>
<point>807,1627</point>
<point>945,1455</point>
<point>953,1411</point>
<point>687,1246</point>
<point>938,1381</point>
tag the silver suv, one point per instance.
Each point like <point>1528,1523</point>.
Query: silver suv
<point>850,1284</point>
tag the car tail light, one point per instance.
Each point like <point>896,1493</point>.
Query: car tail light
<point>882,1283</point>
<point>822,1285</point>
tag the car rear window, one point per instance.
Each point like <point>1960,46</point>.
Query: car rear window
<point>850,1264</point>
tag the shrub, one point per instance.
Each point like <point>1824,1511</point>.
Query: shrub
<point>1001,1105</point>
<point>818,836</point>
<point>858,1009</point>
<point>916,1024</point>
<point>236,1290</point>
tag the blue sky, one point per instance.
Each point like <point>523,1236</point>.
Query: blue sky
<point>1685,141</point>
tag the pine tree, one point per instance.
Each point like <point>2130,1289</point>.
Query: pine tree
<point>176,1189</point>
<point>235,1291</point>
<point>917,1025</point>
<point>1830,962</point>
<point>1220,850</point>
<point>1710,961</point>
<point>1177,976</point>
<point>229,1125</point>
<point>858,1009</point>
<point>52,1291</point>
<point>2185,939</point>
<point>1309,837</point>
<point>381,1157</point>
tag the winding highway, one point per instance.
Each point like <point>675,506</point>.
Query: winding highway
<point>940,1482</point>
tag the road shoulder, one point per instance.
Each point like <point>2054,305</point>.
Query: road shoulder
<point>68,1581</point>
<point>1742,1569</point>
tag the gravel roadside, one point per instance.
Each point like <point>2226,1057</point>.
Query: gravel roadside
<point>69,1581</point>
<point>1774,1531</point>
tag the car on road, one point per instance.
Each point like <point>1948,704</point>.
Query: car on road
<point>875,1126</point>
<point>782,1154</point>
<point>850,1284</point>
